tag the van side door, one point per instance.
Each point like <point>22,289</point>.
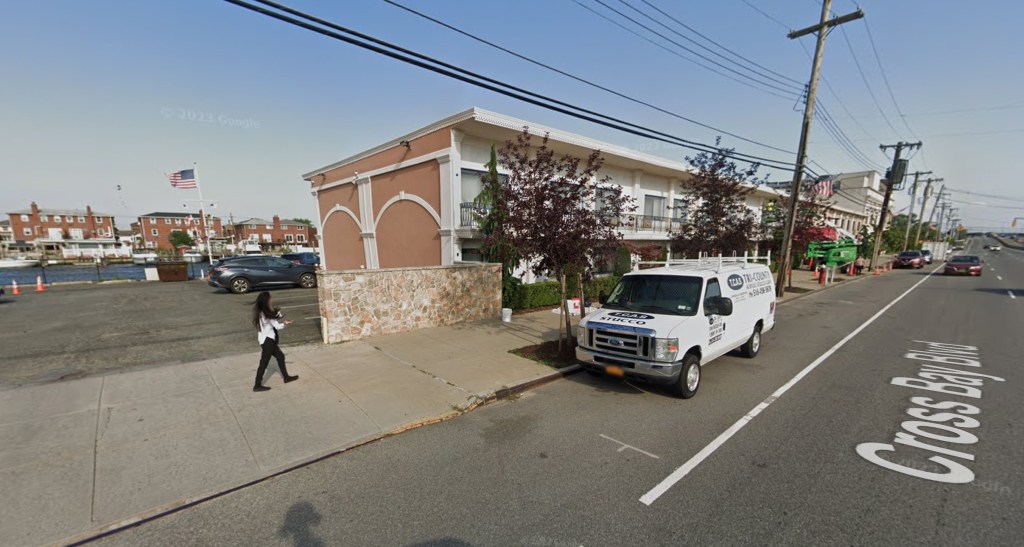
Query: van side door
<point>717,344</point>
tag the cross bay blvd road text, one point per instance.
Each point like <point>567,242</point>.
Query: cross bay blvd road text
<point>928,426</point>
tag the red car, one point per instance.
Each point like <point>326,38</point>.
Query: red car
<point>909,259</point>
<point>964,265</point>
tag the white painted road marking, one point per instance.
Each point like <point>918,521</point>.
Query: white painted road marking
<point>625,446</point>
<point>999,277</point>
<point>1011,294</point>
<point>696,460</point>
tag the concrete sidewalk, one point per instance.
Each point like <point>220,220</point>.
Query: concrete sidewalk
<point>80,456</point>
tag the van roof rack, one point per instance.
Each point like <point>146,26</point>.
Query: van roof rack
<point>705,262</point>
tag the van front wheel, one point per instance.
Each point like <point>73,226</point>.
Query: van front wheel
<point>753,344</point>
<point>689,377</point>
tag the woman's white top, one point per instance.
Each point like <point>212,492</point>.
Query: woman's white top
<point>267,326</point>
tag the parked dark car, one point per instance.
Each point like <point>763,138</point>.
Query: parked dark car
<point>311,259</point>
<point>909,259</point>
<point>963,265</point>
<point>240,274</point>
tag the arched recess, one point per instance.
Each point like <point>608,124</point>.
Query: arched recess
<point>342,240</point>
<point>407,234</point>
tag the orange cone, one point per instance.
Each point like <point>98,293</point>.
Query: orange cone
<point>876,271</point>
<point>39,284</point>
<point>15,289</point>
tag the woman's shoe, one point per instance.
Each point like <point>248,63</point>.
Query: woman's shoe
<point>291,378</point>
<point>260,388</point>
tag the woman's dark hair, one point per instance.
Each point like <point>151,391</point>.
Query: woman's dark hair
<point>262,307</point>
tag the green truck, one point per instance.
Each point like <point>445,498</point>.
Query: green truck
<point>831,253</point>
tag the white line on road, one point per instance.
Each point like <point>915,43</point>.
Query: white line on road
<point>999,277</point>
<point>693,462</point>
<point>1011,294</point>
<point>625,446</point>
<point>313,317</point>
<point>300,306</point>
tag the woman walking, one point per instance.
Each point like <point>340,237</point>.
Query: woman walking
<point>268,321</point>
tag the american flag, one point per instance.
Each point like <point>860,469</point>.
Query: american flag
<point>823,188</point>
<point>183,179</point>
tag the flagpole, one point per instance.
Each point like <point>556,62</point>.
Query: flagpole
<point>202,215</point>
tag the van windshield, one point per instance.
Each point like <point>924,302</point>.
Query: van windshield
<point>670,294</point>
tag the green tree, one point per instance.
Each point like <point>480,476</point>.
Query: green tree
<point>181,239</point>
<point>305,221</point>
<point>719,222</point>
<point>491,220</point>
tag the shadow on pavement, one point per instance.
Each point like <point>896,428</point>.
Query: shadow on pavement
<point>298,525</point>
<point>441,542</point>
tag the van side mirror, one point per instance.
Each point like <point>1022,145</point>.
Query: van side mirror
<point>718,305</point>
<point>602,298</point>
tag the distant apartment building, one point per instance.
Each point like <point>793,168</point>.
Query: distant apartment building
<point>272,235</point>
<point>70,233</point>
<point>154,229</point>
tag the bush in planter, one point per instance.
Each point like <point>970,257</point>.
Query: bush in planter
<point>548,293</point>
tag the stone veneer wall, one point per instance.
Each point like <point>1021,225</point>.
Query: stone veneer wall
<point>359,303</point>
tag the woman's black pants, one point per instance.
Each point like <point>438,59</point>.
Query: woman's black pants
<point>270,349</point>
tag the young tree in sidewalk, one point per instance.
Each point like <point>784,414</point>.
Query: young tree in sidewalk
<point>555,213</point>
<point>719,222</point>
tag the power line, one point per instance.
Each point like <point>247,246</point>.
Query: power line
<point>784,79</point>
<point>581,79</point>
<point>842,105</point>
<point>979,194</point>
<point>864,77</point>
<point>440,67</point>
<point>844,141</point>
<point>987,206</point>
<point>767,15</point>
<point>885,79</point>
<point>764,85</point>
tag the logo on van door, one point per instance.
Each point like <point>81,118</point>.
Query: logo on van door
<point>735,282</point>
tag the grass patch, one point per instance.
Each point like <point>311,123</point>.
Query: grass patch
<point>547,353</point>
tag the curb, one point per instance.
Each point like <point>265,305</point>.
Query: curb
<point>150,515</point>
<point>817,291</point>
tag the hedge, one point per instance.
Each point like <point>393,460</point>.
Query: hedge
<point>548,293</point>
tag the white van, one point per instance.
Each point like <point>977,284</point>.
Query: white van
<point>660,325</point>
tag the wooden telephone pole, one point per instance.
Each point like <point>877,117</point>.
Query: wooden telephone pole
<point>895,176</point>
<point>805,130</point>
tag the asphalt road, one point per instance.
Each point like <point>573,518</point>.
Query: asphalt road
<point>72,331</point>
<point>569,463</point>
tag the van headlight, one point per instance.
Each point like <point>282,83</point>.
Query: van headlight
<point>581,335</point>
<point>666,349</point>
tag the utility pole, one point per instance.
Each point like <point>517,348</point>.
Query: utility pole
<point>938,198</point>
<point>895,176</point>
<point>924,203</point>
<point>805,130</point>
<point>910,210</point>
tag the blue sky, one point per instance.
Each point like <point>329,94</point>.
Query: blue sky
<point>100,94</point>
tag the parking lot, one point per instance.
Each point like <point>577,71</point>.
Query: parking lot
<point>73,331</point>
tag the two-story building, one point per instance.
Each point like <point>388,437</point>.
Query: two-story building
<point>155,228</point>
<point>273,235</point>
<point>409,201</point>
<point>67,233</point>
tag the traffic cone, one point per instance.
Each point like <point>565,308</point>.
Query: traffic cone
<point>15,289</point>
<point>876,271</point>
<point>39,284</point>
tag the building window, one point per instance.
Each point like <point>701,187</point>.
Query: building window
<point>252,226</point>
<point>266,237</point>
<point>301,238</point>
<point>289,238</point>
<point>26,231</point>
<point>24,218</point>
<point>150,244</point>
<point>167,220</point>
<point>302,226</point>
<point>70,219</point>
<point>269,227</point>
<point>56,219</point>
<point>654,206</point>
<point>81,220</point>
<point>155,232</point>
<point>44,218</point>
<point>177,221</point>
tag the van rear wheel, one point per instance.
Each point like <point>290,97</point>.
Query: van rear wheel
<point>752,346</point>
<point>689,378</point>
